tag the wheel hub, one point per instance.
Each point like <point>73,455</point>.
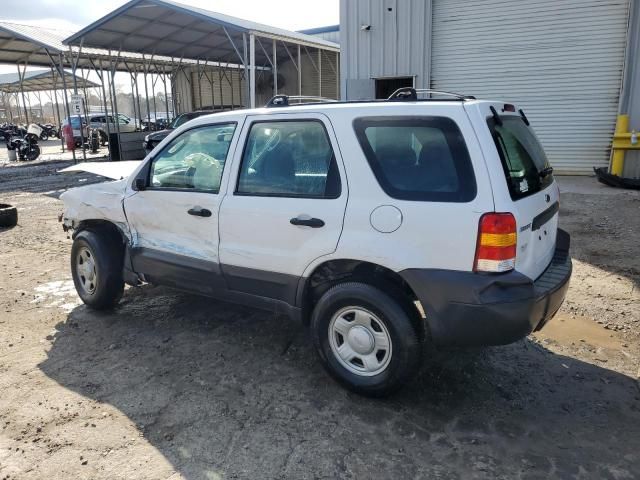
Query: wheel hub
<point>361,340</point>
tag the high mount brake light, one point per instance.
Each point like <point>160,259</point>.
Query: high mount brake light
<point>496,246</point>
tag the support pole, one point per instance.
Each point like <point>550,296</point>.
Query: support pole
<point>113,67</point>
<point>146,95</point>
<point>320,72</point>
<point>100,73</point>
<point>166,98</point>
<point>66,101</point>
<point>74,69</point>
<point>57,111</point>
<point>245,63</point>
<point>21,74</point>
<point>252,70</point>
<point>275,68</point>
<point>299,72</point>
<point>617,158</point>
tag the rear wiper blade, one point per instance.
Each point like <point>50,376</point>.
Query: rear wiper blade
<point>546,171</point>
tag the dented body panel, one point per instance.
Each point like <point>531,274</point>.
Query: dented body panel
<point>102,201</point>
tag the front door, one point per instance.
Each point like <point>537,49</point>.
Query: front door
<point>284,205</point>
<point>174,219</point>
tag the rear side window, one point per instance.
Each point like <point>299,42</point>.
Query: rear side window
<point>525,164</point>
<point>289,159</point>
<point>418,158</point>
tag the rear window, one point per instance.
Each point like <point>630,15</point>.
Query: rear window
<point>418,158</point>
<point>525,164</point>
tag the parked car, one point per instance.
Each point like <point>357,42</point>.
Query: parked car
<point>99,120</point>
<point>154,138</point>
<point>381,225</point>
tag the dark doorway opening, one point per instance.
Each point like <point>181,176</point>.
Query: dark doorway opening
<point>386,86</point>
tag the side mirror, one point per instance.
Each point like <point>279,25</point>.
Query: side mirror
<point>139,184</point>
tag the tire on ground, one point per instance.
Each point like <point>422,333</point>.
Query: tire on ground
<point>106,248</point>
<point>406,339</point>
<point>8,216</point>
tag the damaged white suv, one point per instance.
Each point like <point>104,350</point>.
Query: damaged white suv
<point>382,224</point>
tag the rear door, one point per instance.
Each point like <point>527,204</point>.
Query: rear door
<point>285,203</point>
<point>523,183</point>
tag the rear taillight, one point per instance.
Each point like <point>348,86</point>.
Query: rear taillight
<point>496,248</point>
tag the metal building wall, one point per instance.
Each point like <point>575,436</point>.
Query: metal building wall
<point>562,62</point>
<point>397,43</point>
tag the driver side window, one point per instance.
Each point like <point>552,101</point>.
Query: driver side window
<point>194,160</point>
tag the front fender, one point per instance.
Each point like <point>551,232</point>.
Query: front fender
<point>102,201</point>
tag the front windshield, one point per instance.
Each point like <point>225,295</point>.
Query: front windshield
<point>179,120</point>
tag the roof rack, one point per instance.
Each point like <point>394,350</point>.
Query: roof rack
<point>411,94</point>
<point>285,100</point>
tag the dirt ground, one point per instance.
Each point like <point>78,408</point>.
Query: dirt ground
<point>173,386</point>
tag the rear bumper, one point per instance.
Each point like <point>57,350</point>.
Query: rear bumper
<point>468,309</point>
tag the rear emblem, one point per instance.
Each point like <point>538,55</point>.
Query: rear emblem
<point>547,198</point>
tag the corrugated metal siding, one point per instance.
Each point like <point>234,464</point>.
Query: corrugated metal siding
<point>330,74</point>
<point>206,92</point>
<point>560,61</point>
<point>183,94</point>
<point>396,45</point>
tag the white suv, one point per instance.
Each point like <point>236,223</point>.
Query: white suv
<point>381,224</point>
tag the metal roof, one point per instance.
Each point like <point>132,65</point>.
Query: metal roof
<point>317,30</point>
<point>168,28</point>
<point>39,80</point>
<point>27,43</point>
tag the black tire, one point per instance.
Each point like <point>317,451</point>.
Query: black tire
<point>106,250</point>
<point>8,216</point>
<point>33,152</point>
<point>398,319</point>
<point>44,136</point>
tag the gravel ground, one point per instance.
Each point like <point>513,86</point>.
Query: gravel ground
<point>173,386</point>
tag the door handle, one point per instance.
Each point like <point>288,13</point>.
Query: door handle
<point>307,222</point>
<point>199,212</point>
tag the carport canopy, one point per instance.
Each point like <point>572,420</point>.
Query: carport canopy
<point>42,47</point>
<point>40,80</point>
<point>171,29</point>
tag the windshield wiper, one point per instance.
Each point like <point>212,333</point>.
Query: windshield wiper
<point>545,171</point>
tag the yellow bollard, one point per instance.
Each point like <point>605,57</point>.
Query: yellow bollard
<point>617,158</point>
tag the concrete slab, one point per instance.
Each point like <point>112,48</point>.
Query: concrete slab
<point>589,186</point>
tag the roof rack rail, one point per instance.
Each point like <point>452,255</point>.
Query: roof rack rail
<point>285,100</point>
<point>411,94</point>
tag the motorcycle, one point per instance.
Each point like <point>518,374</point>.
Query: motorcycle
<point>26,146</point>
<point>48,131</point>
<point>93,141</point>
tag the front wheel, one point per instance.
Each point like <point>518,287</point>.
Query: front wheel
<point>96,267</point>
<point>367,340</point>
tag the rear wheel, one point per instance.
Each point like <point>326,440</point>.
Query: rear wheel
<point>367,340</point>
<point>33,152</point>
<point>96,267</point>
